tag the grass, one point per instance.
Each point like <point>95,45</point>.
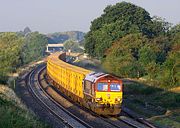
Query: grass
<point>12,115</point>
<point>159,105</point>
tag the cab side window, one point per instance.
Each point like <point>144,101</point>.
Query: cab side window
<point>87,87</point>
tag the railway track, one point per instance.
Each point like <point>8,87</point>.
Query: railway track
<point>70,119</point>
<point>106,123</point>
<point>51,106</point>
<point>137,119</point>
<point>130,121</point>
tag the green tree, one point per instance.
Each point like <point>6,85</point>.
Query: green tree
<point>159,26</point>
<point>10,45</point>
<point>147,59</point>
<point>122,57</point>
<point>174,30</point>
<point>72,45</point>
<point>170,70</point>
<point>34,47</point>
<point>171,67</point>
<point>116,22</point>
<point>147,55</point>
<point>16,50</point>
<point>162,45</point>
<point>130,43</point>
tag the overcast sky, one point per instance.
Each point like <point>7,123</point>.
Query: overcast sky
<point>48,16</point>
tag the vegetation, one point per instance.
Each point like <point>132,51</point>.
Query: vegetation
<point>156,104</point>
<point>34,47</point>
<point>18,49</point>
<point>14,116</point>
<point>10,45</point>
<point>132,44</point>
<point>129,42</point>
<point>72,45</point>
<point>61,37</point>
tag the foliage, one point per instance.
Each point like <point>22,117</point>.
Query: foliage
<point>34,47</point>
<point>61,37</point>
<point>171,67</point>
<point>136,56</point>
<point>10,45</point>
<point>72,45</point>
<point>156,103</point>
<point>175,30</point>
<point>122,57</point>
<point>132,44</point>
<point>17,50</point>
<point>118,21</point>
<point>12,116</point>
<point>159,26</point>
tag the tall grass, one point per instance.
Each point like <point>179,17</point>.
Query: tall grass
<point>14,114</point>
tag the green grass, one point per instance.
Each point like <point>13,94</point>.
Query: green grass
<point>12,116</point>
<point>168,122</point>
<point>153,102</point>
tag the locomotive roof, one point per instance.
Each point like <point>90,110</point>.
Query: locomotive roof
<point>94,76</point>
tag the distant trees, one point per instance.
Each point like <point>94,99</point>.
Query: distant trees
<point>27,30</point>
<point>34,47</point>
<point>16,50</point>
<point>130,43</point>
<point>72,45</point>
<point>61,37</point>
<point>19,48</point>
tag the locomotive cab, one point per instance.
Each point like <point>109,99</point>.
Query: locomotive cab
<point>103,92</point>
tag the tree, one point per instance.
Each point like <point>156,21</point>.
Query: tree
<point>27,30</point>
<point>170,70</point>
<point>10,45</point>
<point>130,43</point>
<point>17,50</point>
<point>122,58</point>
<point>174,30</point>
<point>159,26</point>
<point>34,47</point>
<point>72,45</point>
<point>161,45</point>
<point>116,22</point>
<point>171,67</point>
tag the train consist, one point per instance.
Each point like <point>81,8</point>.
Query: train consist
<point>99,92</point>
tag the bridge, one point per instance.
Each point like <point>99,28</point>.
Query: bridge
<point>50,48</point>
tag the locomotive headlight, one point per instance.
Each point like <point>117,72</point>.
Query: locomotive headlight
<point>118,99</point>
<point>99,99</point>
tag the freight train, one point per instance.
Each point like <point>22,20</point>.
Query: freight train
<point>100,92</point>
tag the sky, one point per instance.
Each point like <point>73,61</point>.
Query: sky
<point>47,16</point>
